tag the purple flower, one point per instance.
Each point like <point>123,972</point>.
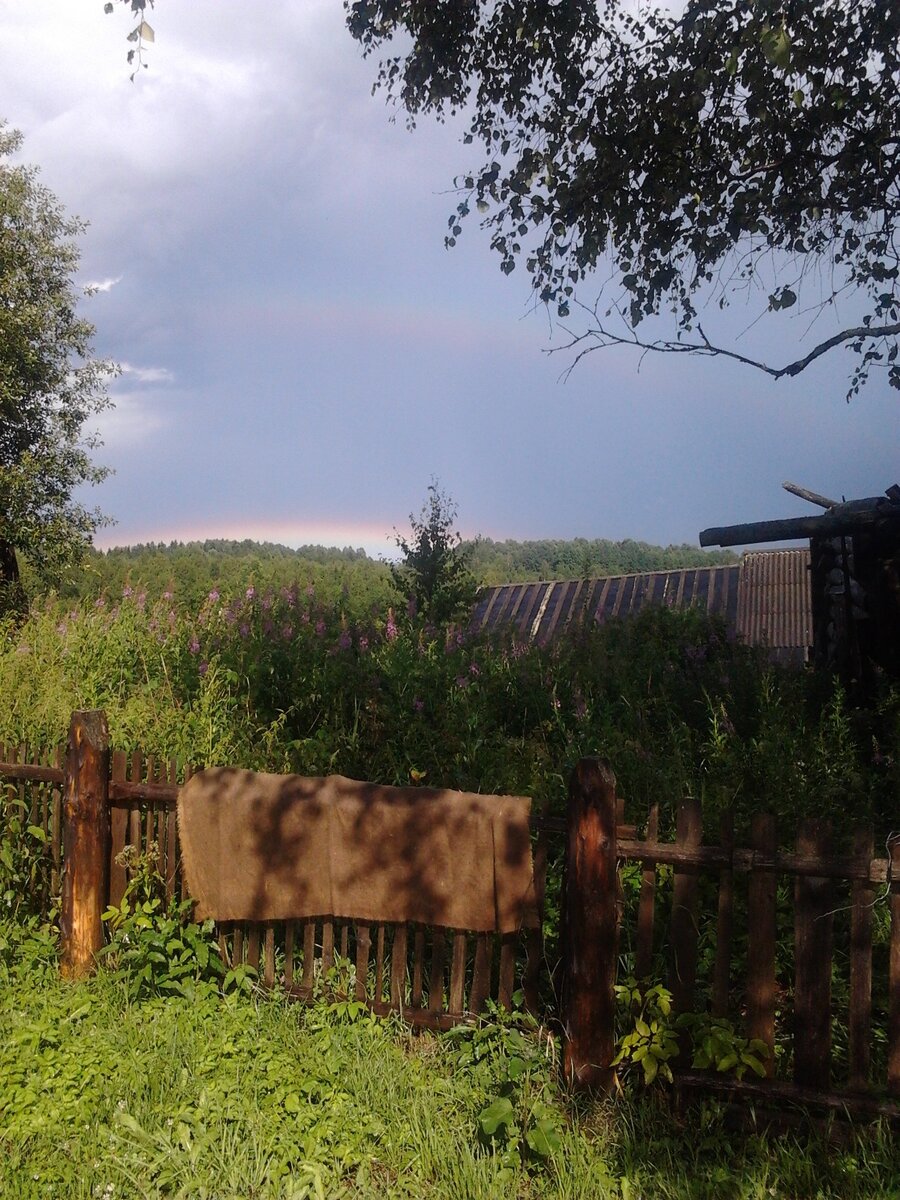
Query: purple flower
<point>213,596</point>
<point>267,601</point>
<point>390,629</point>
<point>320,628</point>
<point>474,669</point>
<point>141,601</point>
<point>418,705</point>
<point>363,644</point>
<point>168,594</point>
<point>203,668</point>
<point>100,602</point>
<point>127,591</point>
<point>304,618</point>
<point>244,629</point>
<point>310,590</point>
<point>194,646</point>
<point>250,592</point>
<point>462,681</point>
<point>286,632</point>
<point>345,641</point>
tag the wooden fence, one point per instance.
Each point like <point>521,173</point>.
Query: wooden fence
<point>800,948</point>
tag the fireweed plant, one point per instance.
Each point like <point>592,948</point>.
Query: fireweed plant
<point>287,680</point>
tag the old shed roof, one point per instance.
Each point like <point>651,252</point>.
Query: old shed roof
<point>765,599</point>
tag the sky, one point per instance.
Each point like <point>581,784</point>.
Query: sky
<point>301,355</point>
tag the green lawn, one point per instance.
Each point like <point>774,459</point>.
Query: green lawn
<point>247,1096</point>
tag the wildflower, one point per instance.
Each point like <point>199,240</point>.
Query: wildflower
<point>474,669</point>
<point>244,629</point>
<point>203,668</point>
<point>462,681</point>
<point>320,628</point>
<point>286,632</point>
<point>310,590</point>
<point>194,646</point>
<point>250,592</point>
<point>100,602</point>
<point>418,705</point>
<point>267,601</point>
<point>304,618</point>
<point>345,641</point>
<point>127,591</point>
<point>363,644</point>
<point>213,596</point>
<point>390,629</point>
<point>556,704</point>
<point>168,594</point>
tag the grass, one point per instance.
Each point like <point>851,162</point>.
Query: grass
<point>252,1096</point>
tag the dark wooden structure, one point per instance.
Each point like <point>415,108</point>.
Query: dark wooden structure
<point>855,566</point>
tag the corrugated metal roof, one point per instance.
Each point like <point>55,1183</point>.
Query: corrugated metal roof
<point>775,602</point>
<point>540,610</point>
<point>765,599</point>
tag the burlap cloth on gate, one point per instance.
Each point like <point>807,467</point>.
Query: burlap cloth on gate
<point>285,847</point>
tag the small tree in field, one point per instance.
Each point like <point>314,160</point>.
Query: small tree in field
<point>434,571</point>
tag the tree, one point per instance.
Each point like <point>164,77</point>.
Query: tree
<point>434,571</point>
<point>50,383</point>
<point>723,148</point>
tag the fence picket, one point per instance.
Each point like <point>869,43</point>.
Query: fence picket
<point>458,974</point>
<point>813,922</point>
<point>862,897</point>
<point>398,967</point>
<point>893,1065</point>
<point>725,917</point>
<point>685,898</point>
<point>643,958</point>
<point>761,936</point>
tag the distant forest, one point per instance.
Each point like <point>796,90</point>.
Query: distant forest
<point>192,569</point>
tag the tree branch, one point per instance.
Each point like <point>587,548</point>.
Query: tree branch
<point>605,337</point>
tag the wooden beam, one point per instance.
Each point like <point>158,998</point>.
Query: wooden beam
<point>86,838</point>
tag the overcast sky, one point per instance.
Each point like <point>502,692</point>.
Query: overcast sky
<point>301,354</point>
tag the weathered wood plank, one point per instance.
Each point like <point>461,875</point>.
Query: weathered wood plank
<point>398,967</point>
<point>507,983</point>
<point>269,959</point>
<point>363,949</point>
<point>481,975</point>
<point>418,967</point>
<point>761,938</point>
<point>683,933</point>
<point>118,877</point>
<point>289,934</point>
<point>643,958</point>
<point>590,928</point>
<point>457,1003</point>
<point>86,836</point>
<point>813,922</point>
<point>436,975</point>
<point>724,924</point>
<point>893,1063</point>
<point>862,897</point>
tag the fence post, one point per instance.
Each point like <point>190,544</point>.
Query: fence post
<point>590,928</point>
<point>85,842</point>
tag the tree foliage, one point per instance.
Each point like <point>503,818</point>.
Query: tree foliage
<point>50,383</point>
<point>707,151</point>
<point>434,573</point>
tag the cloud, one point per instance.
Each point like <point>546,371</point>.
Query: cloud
<point>101,285</point>
<point>131,422</point>
<point>146,374</point>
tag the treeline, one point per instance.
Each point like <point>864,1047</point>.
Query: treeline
<point>190,570</point>
<point>582,558</point>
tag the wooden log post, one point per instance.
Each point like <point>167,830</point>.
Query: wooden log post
<point>590,929</point>
<point>86,841</point>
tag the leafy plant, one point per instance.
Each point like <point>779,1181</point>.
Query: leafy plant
<point>518,1122</point>
<point>650,1040</point>
<point>155,948</point>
